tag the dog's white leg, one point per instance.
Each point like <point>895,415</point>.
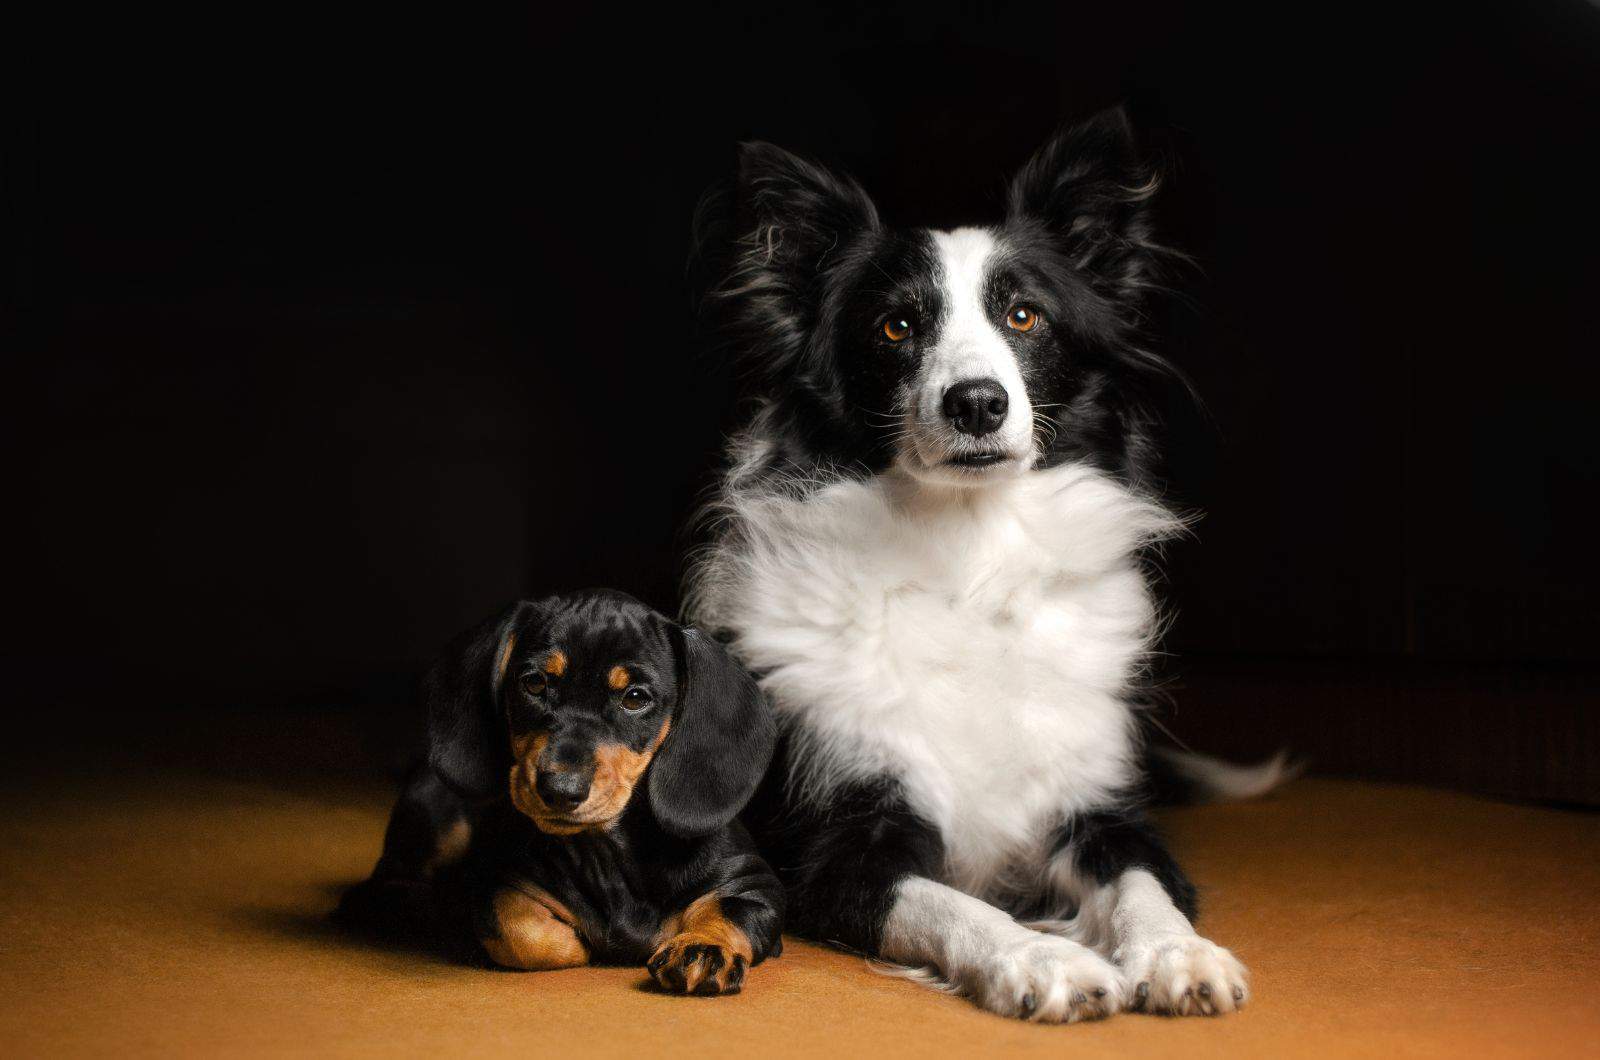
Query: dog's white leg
<point>1005,967</point>
<point>1166,966</point>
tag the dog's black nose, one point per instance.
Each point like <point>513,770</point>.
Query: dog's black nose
<point>563,791</point>
<point>976,406</point>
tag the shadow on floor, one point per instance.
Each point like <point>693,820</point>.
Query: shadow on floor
<point>414,941</point>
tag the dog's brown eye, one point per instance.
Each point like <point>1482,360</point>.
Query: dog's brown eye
<point>1021,318</point>
<point>897,329</point>
<point>534,684</point>
<point>636,699</point>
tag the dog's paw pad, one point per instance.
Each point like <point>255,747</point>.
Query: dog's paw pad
<point>685,965</point>
<point>1185,976</point>
<point>1047,980</point>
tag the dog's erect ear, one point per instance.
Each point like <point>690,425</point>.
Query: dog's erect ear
<point>467,740</point>
<point>796,222</point>
<point>1092,187</point>
<point>721,741</point>
<point>800,212</point>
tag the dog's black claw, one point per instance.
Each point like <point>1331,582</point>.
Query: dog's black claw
<point>1028,1005</point>
<point>736,975</point>
<point>1238,993</point>
<point>1205,989</point>
<point>1141,995</point>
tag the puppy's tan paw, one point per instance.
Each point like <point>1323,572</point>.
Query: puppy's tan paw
<point>689,964</point>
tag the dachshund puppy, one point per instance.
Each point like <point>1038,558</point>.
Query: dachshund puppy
<point>586,761</point>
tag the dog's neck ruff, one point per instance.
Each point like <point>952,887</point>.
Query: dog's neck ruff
<point>976,645</point>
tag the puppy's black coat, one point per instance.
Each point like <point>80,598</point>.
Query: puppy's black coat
<point>587,759</point>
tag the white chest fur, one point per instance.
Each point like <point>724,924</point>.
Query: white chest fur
<point>974,644</point>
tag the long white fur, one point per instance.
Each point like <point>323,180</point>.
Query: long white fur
<point>974,644</point>
<point>973,638</point>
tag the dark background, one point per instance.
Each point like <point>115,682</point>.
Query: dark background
<point>328,335</point>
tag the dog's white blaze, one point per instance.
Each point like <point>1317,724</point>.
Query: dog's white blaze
<point>969,346</point>
<point>971,643</point>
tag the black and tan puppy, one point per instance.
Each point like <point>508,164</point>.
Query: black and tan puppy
<point>587,759</point>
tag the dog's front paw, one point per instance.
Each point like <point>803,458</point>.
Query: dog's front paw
<point>691,964</point>
<point>1047,979</point>
<point>1184,975</point>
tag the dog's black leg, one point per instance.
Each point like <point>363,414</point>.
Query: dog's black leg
<point>707,945</point>
<point>429,830</point>
<point>842,862</point>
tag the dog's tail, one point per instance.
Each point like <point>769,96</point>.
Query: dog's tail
<point>1179,777</point>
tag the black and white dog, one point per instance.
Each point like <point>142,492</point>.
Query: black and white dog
<point>929,549</point>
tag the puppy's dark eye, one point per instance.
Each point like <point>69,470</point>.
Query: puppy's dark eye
<point>636,700</point>
<point>897,329</point>
<point>1021,318</point>
<point>534,684</point>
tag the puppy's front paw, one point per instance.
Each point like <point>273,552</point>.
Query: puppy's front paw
<point>1184,975</point>
<point>691,964</point>
<point>1049,980</point>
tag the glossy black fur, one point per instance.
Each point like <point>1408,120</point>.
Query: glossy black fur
<point>839,860</point>
<point>810,274</point>
<point>676,841</point>
<point>621,884</point>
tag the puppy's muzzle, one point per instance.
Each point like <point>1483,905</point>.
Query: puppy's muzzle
<point>567,785</point>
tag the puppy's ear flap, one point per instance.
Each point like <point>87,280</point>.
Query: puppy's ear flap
<point>722,737</point>
<point>1091,186</point>
<point>468,744</point>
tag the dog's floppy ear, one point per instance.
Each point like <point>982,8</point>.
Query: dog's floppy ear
<point>467,740</point>
<point>1091,185</point>
<point>721,741</point>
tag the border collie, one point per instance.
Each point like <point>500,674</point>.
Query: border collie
<point>930,550</point>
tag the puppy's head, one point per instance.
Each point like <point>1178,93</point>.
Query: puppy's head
<point>582,698</point>
<point>962,357</point>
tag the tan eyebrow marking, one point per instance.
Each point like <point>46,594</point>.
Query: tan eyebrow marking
<point>618,678</point>
<point>556,664</point>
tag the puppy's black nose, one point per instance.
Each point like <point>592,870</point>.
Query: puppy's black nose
<point>563,791</point>
<point>976,406</point>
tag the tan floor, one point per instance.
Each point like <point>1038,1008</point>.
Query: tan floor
<point>171,913</point>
